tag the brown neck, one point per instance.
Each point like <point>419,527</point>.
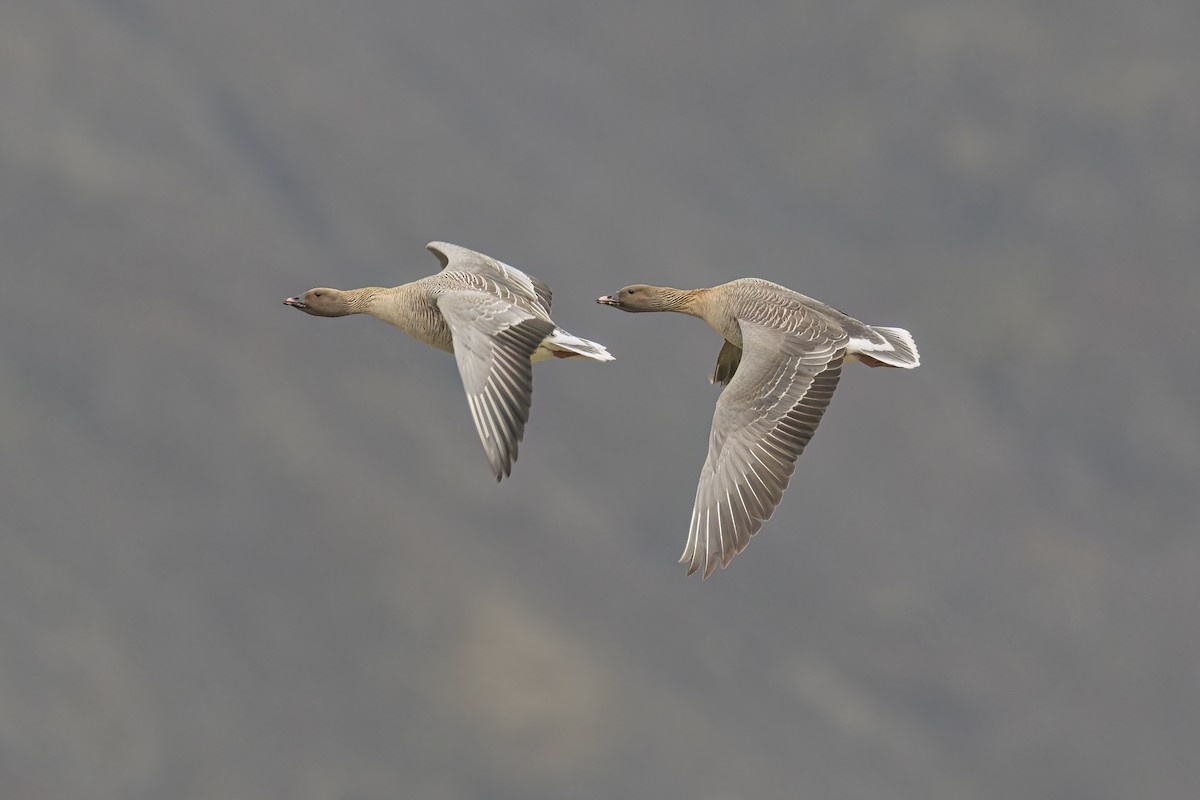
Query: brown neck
<point>683,301</point>
<point>360,301</point>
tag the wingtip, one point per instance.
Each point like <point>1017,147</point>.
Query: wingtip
<point>502,471</point>
<point>694,563</point>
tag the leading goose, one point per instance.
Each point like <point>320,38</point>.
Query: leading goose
<point>493,317</point>
<point>780,363</point>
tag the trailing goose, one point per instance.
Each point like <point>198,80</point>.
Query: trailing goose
<point>781,361</point>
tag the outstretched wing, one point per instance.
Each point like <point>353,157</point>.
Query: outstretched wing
<point>461,259</point>
<point>493,343</point>
<point>764,419</point>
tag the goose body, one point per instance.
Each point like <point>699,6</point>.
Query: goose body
<point>493,317</point>
<point>780,363</point>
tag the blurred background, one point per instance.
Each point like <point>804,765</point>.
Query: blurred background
<point>246,553</point>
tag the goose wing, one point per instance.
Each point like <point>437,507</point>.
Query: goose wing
<point>763,420</point>
<point>493,343</point>
<point>455,258</point>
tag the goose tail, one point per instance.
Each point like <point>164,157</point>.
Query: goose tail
<point>886,347</point>
<point>560,344</point>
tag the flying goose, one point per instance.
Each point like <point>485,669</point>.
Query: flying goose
<point>780,363</point>
<point>493,317</point>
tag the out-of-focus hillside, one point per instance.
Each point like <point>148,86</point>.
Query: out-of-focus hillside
<point>247,553</point>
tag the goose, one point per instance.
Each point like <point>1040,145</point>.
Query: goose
<point>493,317</point>
<point>781,360</point>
